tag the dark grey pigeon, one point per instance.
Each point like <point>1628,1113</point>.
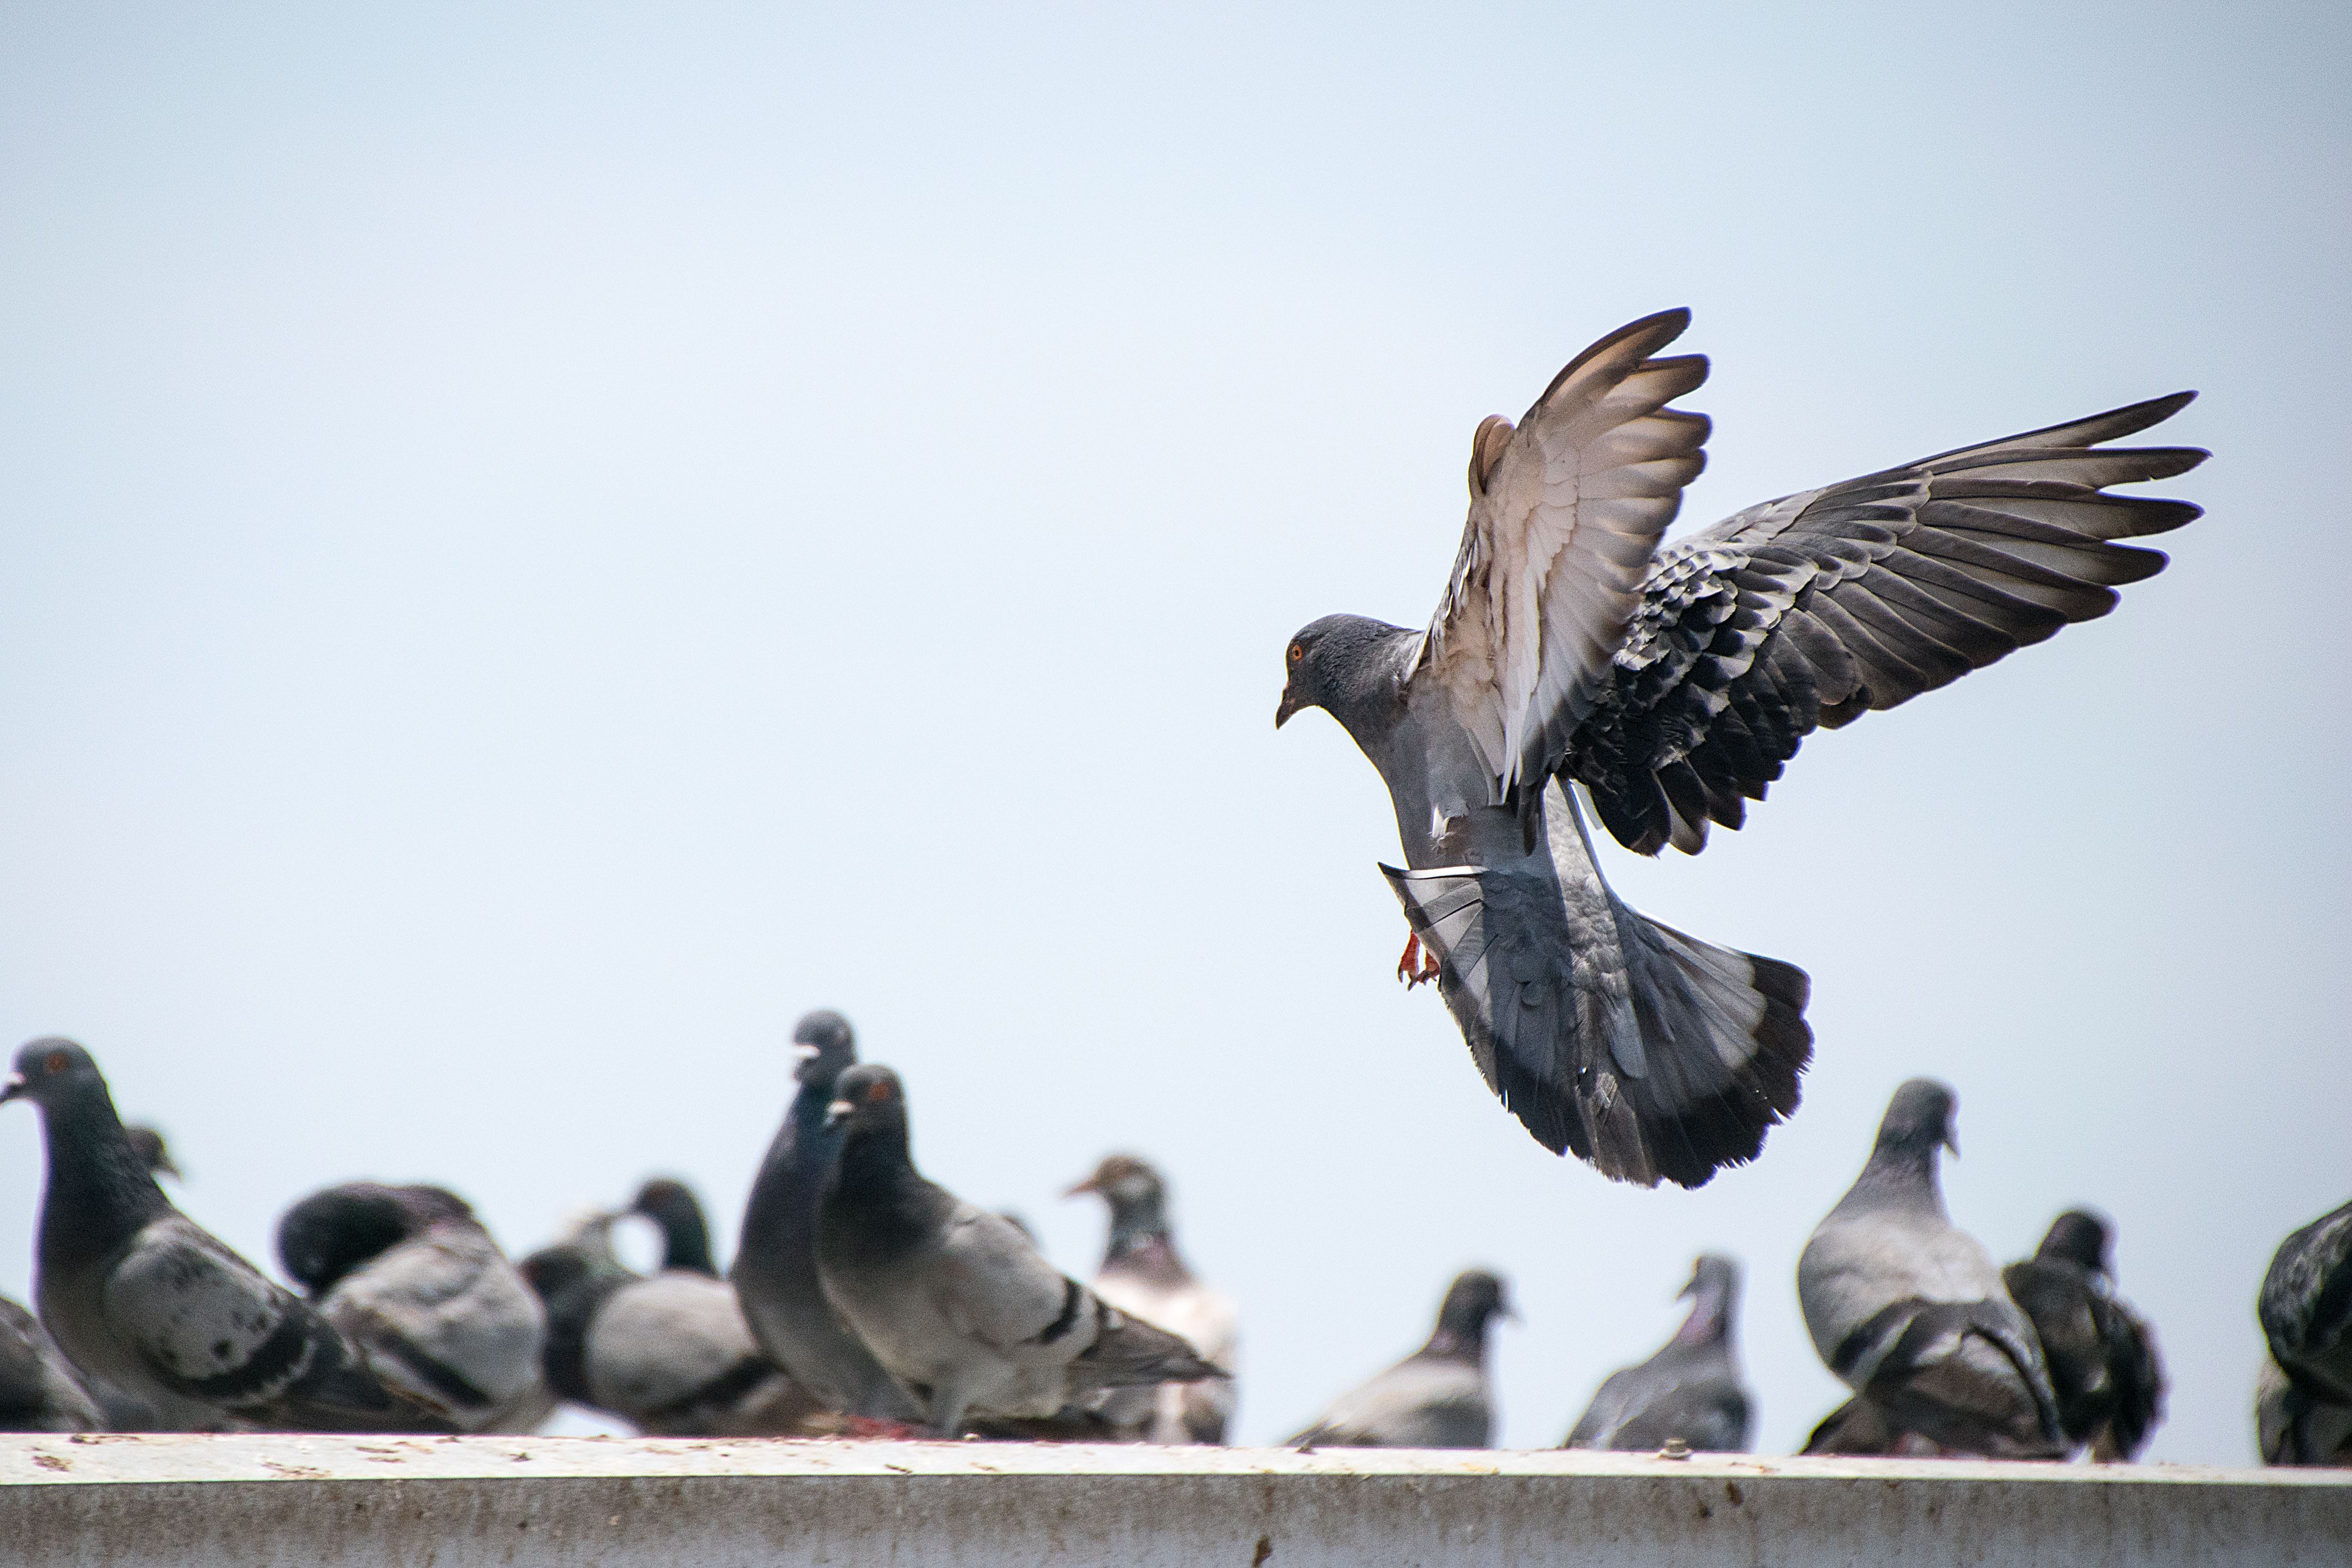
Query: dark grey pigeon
<point>775,1260</point>
<point>139,1296</point>
<point>1143,1274</point>
<point>1690,1392</point>
<point>152,1152</point>
<point>411,1279</point>
<point>1437,1397</point>
<point>1910,1311</point>
<point>953,1300</point>
<point>670,1353</point>
<point>39,1390</point>
<point>677,1213</point>
<point>1674,684</point>
<point>1858,1427</point>
<point>2104,1368</point>
<point>2304,1412</point>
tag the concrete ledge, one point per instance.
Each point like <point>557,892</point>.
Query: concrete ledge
<point>119,1500</point>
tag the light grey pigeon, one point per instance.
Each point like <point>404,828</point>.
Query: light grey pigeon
<point>39,1390</point>
<point>1909,1311</point>
<point>2103,1370</point>
<point>1673,684</point>
<point>411,1279</point>
<point>677,1213</point>
<point>953,1300</point>
<point>2304,1412</point>
<point>668,1352</point>
<point>1689,1392</point>
<point>775,1260</point>
<point>139,1296</point>
<point>1437,1397</point>
<point>1143,1275</point>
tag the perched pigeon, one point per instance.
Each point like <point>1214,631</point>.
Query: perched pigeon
<point>411,1278</point>
<point>775,1260</point>
<point>1437,1397</point>
<point>39,1390</point>
<point>670,1353</point>
<point>677,1213</point>
<point>1910,1311</point>
<point>2104,1368</point>
<point>2304,1412</point>
<point>152,1152</point>
<point>1673,684</point>
<point>1858,1427</point>
<point>1690,1391</point>
<point>138,1295</point>
<point>1143,1275</point>
<point>953,1300</point>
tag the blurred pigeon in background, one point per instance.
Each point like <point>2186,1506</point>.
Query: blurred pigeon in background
<point>39,1390</point>
<point>1142,1274</point>
<point>1674,684</point>
<point>677,1213</point>
<point>2101,1355</point>
<point>411,1279</point>
<point>152,1152</point>
<point>1910,1312</point>
<point>137,1294</point>
<point>2304,1408</point>
<point>954,1302</point>
<point>775,1258</point>
<point>1437,1397</point>
<point>1690,1391</point>
<point>668,1352</point>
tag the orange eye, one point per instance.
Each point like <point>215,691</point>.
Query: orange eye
<point>1297,653</point>
<point>56,1061</point>
<point>877,1093</point>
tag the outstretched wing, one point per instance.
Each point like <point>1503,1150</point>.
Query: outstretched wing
<point>1565,512</point>
<point>1816,608</point>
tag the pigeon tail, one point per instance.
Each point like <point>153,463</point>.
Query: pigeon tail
<point>1649,1053</point>
<point>1129,1352</point>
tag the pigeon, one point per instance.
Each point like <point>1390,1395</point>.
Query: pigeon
<point>668,1352</point>
<point>775,1260</point>
<point>2304,1412</point>
<point>152,1152</point>
<point>2104,1368</point>
<point>39,1390</point>
<point>1143,1275</point>
<point>1689,1392</point>
<point>411,1279</point>
<point>1437,1397</point>
<point>677,1213</point>
<point>139,1296</point>
<point>1910,1312</point>
<point>1673,684</point>
<point>953,1300</point>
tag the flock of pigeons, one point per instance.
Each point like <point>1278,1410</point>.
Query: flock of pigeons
<point>865,1300</point>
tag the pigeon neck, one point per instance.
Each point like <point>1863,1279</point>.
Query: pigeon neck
<point>1136,1225</point>
<point>569,1313</point>
<point>1710,1316</point>
<point>100,1190</point>
<point>685,1241</point>
<point>1460,1339</point>
<point>876,1164</point>
<point>1902,1173</point>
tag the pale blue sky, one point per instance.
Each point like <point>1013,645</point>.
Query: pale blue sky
<point>535,548</point>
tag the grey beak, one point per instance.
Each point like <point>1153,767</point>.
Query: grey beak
<point>13,1088</point>
<point>837,1112</point>
<point>1285,708</point>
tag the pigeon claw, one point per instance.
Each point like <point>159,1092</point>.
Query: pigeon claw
<point>1419,963</point>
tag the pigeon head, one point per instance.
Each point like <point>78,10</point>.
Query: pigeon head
<point>1714,1287</point>
<point>672,1207</point>
<point>868,1097</point>
<point>1918,1119</point>
<point>1123,1182</point>
<point>1713,1275</point>
<point>2079,1236</point>
<point>330,1234</point>
<point>1475,1300</point>
<point>55,1074</point>
<point>152,1152</point>
<point>1331,665</point>
<point>824,1046</point>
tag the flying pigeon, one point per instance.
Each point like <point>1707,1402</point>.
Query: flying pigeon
<point>1910,1311</point>
<point>39,1390</point>
<point>2104,1368</point>
<point>2305,1411</point>
<point>775,1260</point>
<point>411,1279</point>
<point>1437,1397</point>
<point>677,1213</point>
<point>138,1295</point>
<point>953,1300</point>
<point>669,1352</point>
<point>1690,1391</point>
<point>1143,1275</point>
<point>1673,684</point>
